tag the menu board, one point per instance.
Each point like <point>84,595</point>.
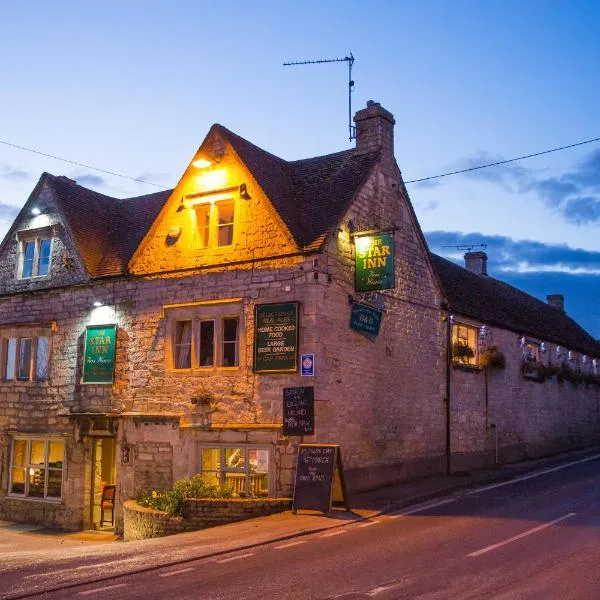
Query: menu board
<point>276,338</point>
<point>298,411</point>
<point>315,469</point>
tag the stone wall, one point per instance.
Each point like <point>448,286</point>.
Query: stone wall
<point>142,523</point>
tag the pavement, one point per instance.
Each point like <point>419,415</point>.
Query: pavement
<point>34,559</point>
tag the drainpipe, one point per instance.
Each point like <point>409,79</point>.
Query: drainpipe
<point>448,372</point>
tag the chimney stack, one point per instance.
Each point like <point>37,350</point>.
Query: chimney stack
<point>476,262</point>
<point>375,129</point>
<point>557,301</point>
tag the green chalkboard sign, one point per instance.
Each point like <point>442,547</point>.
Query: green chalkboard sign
<point>374,262</point>
<point>365,319</point>
<point>99,354</point>
<point>276,338</point>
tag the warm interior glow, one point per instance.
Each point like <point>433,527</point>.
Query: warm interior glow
<point>202,163</point>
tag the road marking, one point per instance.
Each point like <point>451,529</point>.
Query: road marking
<point>534,475</point>
<point>368,524</point>
<point>226,560</point>
<point>102,589</point>
<point>334,533</point>
<point>171,573</point>
<point>383,588</point>
<point>521,535</point>
<point>282,546</point>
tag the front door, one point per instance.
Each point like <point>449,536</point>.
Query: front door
<point>103,474</point>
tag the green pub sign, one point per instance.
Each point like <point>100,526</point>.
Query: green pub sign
<point>276,338</point>
<point>99,354</point>
<point>374,262</point>
<point>365,319</point>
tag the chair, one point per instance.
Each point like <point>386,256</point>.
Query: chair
<point>108,503</point>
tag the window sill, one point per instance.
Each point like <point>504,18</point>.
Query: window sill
<point>466,368</point>
<point>206,370</point>
<point>30,499</point>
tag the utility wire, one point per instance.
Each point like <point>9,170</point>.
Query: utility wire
<point>503,162</point>
<point>73,162</point>
<point>485,166</point>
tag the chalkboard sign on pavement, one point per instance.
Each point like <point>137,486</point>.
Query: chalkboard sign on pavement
<point>298,411</point>
<point>315,475</point>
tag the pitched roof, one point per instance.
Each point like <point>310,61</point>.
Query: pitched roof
<point>106,230</point>
<point>491,301</point>
<point>311,195</point>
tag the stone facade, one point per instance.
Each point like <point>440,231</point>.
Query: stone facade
<point>382,398</point>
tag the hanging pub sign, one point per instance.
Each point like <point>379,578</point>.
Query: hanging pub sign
<point>374,262</point>
<point>276,338</point>
<point>99,354</point>
<point>365,319</point>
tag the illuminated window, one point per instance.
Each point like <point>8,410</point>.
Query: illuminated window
<point>214,222</point>
<point>205,336</point>
<point>244,468</point>
<point>531,351</point>
<point>36,468</point>
<point>35,257</point>
<point>24,358</point>
<point>464,344</point>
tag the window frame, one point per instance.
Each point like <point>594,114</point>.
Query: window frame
<point>472,362</point>
<point>198,313</point>
<point>20,335</point>
<point>36,237</point>
<point>29,466</point>
<point>212,232</point>
<point>246,469</point>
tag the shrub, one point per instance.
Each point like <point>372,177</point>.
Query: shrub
<point>171,502</point>
<point>462,352</point>
<point>492,357</point>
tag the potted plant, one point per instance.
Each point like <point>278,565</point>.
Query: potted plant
<point>492,357</point>
<point>532,369</point>
<point>462,352</point>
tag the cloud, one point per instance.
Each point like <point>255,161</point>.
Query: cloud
<point>574,194</point>
<point>90,180</point>
<point>536,268</point>
<point>12,174</point>
<point>8,212</point>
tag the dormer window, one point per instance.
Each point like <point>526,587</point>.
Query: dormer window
<point>213,221</point>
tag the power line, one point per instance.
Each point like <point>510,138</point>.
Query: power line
<point>503,162</point>
<point>73,162</point>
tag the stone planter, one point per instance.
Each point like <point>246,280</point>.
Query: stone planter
<point>140,523</point>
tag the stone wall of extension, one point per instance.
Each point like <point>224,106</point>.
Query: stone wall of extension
<point>142,523</point>
<point>501,415</point>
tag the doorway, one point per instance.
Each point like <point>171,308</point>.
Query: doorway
<point>103,474</point>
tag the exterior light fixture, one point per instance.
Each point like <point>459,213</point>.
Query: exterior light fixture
<point>98,304</point>
<point>202,163</point>
<point>35,211</point>
<point>244,195</point>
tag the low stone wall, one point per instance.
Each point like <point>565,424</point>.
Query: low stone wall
<point>140,523</point>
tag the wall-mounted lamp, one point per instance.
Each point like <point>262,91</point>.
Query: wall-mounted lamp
<point>97,304</point>
<point>244,195</point>
<point>35,211</point>
<point>202,163</point>
<point>125,451</point>
<point>181,205</point>
<point>543,348</point>
<point>559,350</point>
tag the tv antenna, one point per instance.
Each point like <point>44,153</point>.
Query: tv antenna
<point>467,247</point>
<point>347,59</point>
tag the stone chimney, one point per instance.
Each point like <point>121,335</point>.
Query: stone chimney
<point>557,301</point>
<point>375,129</point>
<point>476,262</point>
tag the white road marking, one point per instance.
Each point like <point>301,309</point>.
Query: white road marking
<point>383,588</point>
<point>521,535</point>
<point>334,533</point>
<point>226,560</point>
<point>282,546</point>
<point>102,589</point>
<point>368,523</point>
<point>171,573</point>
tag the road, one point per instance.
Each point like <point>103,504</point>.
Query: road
<point>538,537</point>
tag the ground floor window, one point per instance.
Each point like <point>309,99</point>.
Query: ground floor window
<point>36,468</point>
<point>245,468</point>
<point>464,344</point>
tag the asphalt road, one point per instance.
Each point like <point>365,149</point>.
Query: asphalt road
<point>537,537</point>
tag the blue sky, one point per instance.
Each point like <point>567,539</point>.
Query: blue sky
<point>133,87</point>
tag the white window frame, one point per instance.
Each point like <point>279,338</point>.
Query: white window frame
<point>19,335</point>
<point>35,237</point>
<point>224,468</point>
<point>197,313</point>
<point>29,465</point>
<point>212,202</point>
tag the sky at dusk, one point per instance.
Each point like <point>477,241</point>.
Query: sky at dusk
<point>133,87</point>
